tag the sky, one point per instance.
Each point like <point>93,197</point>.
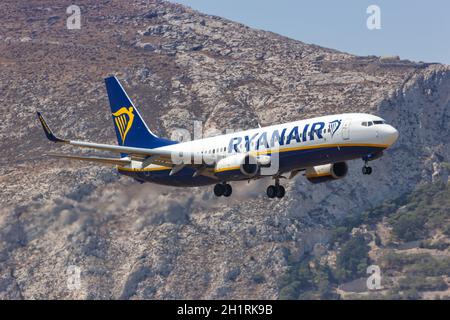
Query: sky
<point>412,29</point>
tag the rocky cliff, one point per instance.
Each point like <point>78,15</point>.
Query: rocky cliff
<point>145,241</point>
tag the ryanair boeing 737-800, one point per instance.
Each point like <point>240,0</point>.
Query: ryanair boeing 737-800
<point>319,147</point>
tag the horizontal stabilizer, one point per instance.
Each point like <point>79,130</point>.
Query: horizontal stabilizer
<point>110,161</point>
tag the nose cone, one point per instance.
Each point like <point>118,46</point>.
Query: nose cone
<point>390,134</point>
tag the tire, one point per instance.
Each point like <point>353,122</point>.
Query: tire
<point>281,192</point>
<point>227,190</point>
<point>271,191</point>
<point>219,189</point>
<point>367,170</point>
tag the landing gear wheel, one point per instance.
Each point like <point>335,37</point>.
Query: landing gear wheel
<point>366,170</point>
<point>271,191</point>
<point>280,192</point>
<point>227,190</point>
<point>276,191</point>
<point>219,190</point>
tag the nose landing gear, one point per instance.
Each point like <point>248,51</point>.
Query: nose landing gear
<point>366,169</point>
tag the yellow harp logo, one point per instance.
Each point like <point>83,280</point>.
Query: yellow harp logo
<point>124,119</point>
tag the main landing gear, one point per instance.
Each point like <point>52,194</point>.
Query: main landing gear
<point>366,169</point>
<point>222,189</point>
<point>276,190</point>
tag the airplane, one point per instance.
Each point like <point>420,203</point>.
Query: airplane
<point>319,147</point>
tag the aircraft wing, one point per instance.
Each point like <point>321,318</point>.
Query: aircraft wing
<point>144,153</point>
<point>110,161</point>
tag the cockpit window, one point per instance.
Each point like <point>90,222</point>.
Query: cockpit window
<point>372,123</point>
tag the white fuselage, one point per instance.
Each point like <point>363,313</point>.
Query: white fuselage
<point>299,144</point>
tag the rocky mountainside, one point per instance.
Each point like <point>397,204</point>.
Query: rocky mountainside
<point>135,241</point>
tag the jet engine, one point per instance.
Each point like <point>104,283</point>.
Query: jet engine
<point>240,166</point>
<point>326,172</point>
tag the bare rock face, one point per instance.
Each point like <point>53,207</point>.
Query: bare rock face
<point>135,241</point>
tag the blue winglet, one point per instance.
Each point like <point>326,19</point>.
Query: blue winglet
<point>48,131</point>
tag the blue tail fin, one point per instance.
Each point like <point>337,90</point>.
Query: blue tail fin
<point>131,129</point>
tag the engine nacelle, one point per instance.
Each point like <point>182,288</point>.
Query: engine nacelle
<point>326,172</point>
<point>240,166</point>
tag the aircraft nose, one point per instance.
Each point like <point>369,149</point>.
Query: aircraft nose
<point>390,134</point>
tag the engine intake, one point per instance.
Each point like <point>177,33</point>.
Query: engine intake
<point>249,166</point>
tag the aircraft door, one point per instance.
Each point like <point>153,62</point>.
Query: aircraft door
<point>346,129</point>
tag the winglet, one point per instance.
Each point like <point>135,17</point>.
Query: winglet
<point>47,130</point>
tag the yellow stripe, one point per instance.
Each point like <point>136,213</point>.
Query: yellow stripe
<point>322,146</point>
<point>268,151</point>
<point>306,148</point>
<point>228,169</point>
<point>168,168</point>
<point>142,170</point>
